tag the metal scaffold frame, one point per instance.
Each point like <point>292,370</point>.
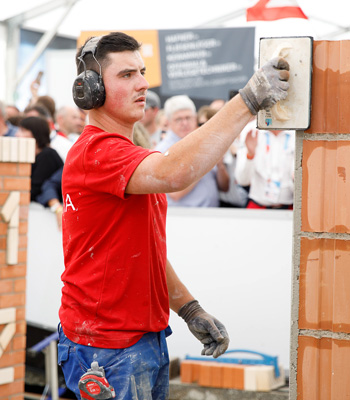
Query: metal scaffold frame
<point>12,27</point>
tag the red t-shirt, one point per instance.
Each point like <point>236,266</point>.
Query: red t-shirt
<point>114,245</point>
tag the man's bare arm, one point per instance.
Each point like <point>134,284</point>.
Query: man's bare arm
<point>178,293</point>
<point>192,157</point>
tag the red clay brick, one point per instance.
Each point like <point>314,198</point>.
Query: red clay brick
<point>239,377</point>
<point>210,374</point>
<point>196,370</point>
<point>24,169</point>
<point>3,227</point>
<point>20,314</point>
<point>2,258</point>
<point>19,342</point>
<point>24,198</point>
<point>12,300</point>
<point>216,375</point>
<point>17,183</point>
<point>19,372</point>
<point>13,358</point>
<point>20,285</point>
<point>17,397</point>
<point>22,242</point>
<point>23,213</point>
<point>3,241</point>
<point>205,374</point>
<point>23,227</point>
<point>21,327</point>
<point>3,197</point>
<point>8,169</point>
<point>227,377</point>
<point>186,373</point>
<point>11,389</point>
<point>6,286</point>
<point>233,377</point>
<point>12,271</point>
<point>22,256</point>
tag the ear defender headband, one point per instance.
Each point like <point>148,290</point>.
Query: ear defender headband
<point>88,87</point>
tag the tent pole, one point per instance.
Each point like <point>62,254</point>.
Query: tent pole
<point>13,40</point>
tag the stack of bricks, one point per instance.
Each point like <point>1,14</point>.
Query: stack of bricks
<point>231,376</point>
<point>16,156</point>
<point>320,339</point>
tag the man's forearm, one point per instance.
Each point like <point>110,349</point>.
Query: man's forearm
<point>178,293</point>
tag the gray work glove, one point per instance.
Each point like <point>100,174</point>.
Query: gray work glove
<point>267,86</point>
<point>207,329</point>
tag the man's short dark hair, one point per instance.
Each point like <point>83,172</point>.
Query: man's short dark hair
<point>114,42</point>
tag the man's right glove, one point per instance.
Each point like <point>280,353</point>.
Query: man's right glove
<point>267,86</point>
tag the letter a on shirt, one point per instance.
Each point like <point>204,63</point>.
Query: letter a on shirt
<point>69,203</point>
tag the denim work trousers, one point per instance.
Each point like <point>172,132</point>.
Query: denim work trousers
<point>139,372</point>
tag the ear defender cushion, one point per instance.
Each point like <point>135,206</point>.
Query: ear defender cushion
<point>88,90</point>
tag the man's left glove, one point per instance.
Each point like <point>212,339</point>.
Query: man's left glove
<point>205,328</point>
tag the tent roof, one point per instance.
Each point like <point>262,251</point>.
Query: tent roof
<point>71,17</point>
<point>325,21</point>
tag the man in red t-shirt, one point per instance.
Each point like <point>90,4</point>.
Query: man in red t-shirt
<point>118,283</point>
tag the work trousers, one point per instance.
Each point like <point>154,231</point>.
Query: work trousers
<point>139,372</point>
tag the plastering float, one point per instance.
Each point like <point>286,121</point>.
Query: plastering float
<point>295,111</point>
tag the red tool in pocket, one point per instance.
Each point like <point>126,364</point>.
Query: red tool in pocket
<point>93,385</point>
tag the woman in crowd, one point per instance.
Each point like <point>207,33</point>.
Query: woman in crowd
<point>47,160</point>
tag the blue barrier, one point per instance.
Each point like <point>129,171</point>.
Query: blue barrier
<point>45,342</point>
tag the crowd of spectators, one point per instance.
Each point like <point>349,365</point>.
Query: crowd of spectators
<point>256,172</point>
<point>54,132</point>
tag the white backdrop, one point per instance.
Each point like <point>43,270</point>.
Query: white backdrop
<point>237,263</point>
<point>61,72</point>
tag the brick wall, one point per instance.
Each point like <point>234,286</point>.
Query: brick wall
<point>320,339</point>
<point>16,156</point>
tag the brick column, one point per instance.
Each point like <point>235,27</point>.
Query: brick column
<point>16,156</point>
<point>320,334</point>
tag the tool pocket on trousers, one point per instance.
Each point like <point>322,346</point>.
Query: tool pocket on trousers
<point>63,353</point>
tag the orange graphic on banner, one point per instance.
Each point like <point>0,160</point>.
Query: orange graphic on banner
<point>149,51</point>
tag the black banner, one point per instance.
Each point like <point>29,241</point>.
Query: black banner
<point>206,63</point>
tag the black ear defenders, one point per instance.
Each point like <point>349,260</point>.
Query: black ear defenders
<point>88,87</point>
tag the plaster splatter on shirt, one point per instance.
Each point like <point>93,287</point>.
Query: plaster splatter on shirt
<point>91,250</point>
<point>122,181</point>
<point>136,255</point>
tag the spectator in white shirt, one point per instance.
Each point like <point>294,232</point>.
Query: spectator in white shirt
<point>265,162</point>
